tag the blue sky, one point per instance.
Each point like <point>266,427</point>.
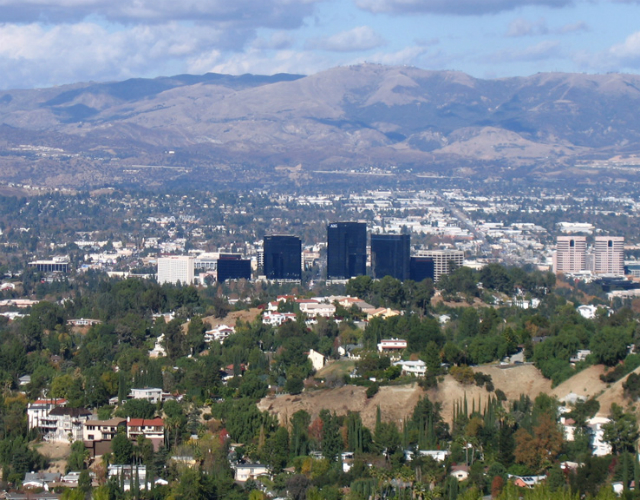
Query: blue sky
<point>53,42</point>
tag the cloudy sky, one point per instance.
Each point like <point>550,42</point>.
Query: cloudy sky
<point>52,42</point>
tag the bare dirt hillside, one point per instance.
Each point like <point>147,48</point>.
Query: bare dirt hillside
<point>57,453</point>
<point>395,402</point>
<point>585,383</point>
<point>613,394</point>
<point>232,318</point>
<point>514,381</point>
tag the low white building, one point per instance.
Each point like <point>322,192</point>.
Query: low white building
<point>64,425</point>
<point>388,345</point>
<point>276,318</point>
<point>151,394</point>
<point>38,411</point>
<point>315,309</point>
<point>158,350</point>
<point>417,368</point>
<point>219,333</point>
<point>317,359</point>
<point>244,472</point>
<point>599,446</point>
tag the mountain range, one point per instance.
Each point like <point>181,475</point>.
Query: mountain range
<point>367,118</point>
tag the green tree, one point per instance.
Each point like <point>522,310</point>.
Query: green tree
<point>331,438</point>
<point>622,431</point>
<point>609,345</point>
<point>122,449</point>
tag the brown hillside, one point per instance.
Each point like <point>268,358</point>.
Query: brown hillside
<point>613,394</point>
<point>585,383</point>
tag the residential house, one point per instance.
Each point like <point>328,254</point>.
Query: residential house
<point>151,394</point>
<point>219,333</point>
<point>244,472</point>
<point>527,481</point>
<point>97,434</point>
<point>83,322</point>
<point>382,312</point>
<point>392,345</point>
<point>317,359</point>
<point>64,425</point>
<point>129,474</point>
<point>460,472</point>
<point>276,318</point>
<point>599,446</point>
<point>158,350</point>
<point>44,495</point>
<point>152,429</point>
<point>40,479</point>
<point>313,309</point>
<point>38,411</point>
<point>348,351</point>
<point>437,455</point>
<point>417,368</point>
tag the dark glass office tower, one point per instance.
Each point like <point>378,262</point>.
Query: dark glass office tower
<point>346,250</point>
<point>233,267</point>
<point>422,268</point>
<point>282,257</point>
<point>390,254</point>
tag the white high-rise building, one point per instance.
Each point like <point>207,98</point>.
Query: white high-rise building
<point>176,268</point>
<point>609,255</point>
<point>570,256</point>
<point>442,260</point>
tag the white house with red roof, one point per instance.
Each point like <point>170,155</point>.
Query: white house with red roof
<point>392,345</point>
<point>150,428</point>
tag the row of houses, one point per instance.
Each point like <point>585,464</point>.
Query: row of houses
<point>58,423</point>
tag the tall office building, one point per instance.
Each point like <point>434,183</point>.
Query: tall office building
<point>232,267</point>
<point>390,254</point>
<point>609,255</point>
<point>570,256</point>
<point>282,257</point>
<point>442,260</point>
<point>176,268</point>
<point>346,250</point>
<point>422,268</point>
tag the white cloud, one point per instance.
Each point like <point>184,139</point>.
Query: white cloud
<point>522,27</point>
<point>627,53</point>
<point>549,49</point>
<point>455,7</point>
<point>353,40</point>
<point>284,61</point>
<point>32,55</point>
<point>572,28</point>
<point>277,41</point>
<point>406,56</point>
<point>244,14</point>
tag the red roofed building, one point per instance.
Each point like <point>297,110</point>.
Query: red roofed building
<point>152,429</point>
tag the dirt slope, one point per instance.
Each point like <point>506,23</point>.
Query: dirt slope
<point>395,402</point>
<point>613,394</point>
<point>585,383</point>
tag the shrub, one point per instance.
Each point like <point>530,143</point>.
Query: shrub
<point>462,374</point>
<point>372,390</point>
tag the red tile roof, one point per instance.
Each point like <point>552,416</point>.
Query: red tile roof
<point>145,422</point>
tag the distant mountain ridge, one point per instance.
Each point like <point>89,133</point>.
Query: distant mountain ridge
<point>357,116</point>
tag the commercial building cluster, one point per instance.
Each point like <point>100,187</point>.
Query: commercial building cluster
<point>347,257</point>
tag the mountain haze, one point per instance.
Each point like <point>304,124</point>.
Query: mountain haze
<point>348,117</point>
